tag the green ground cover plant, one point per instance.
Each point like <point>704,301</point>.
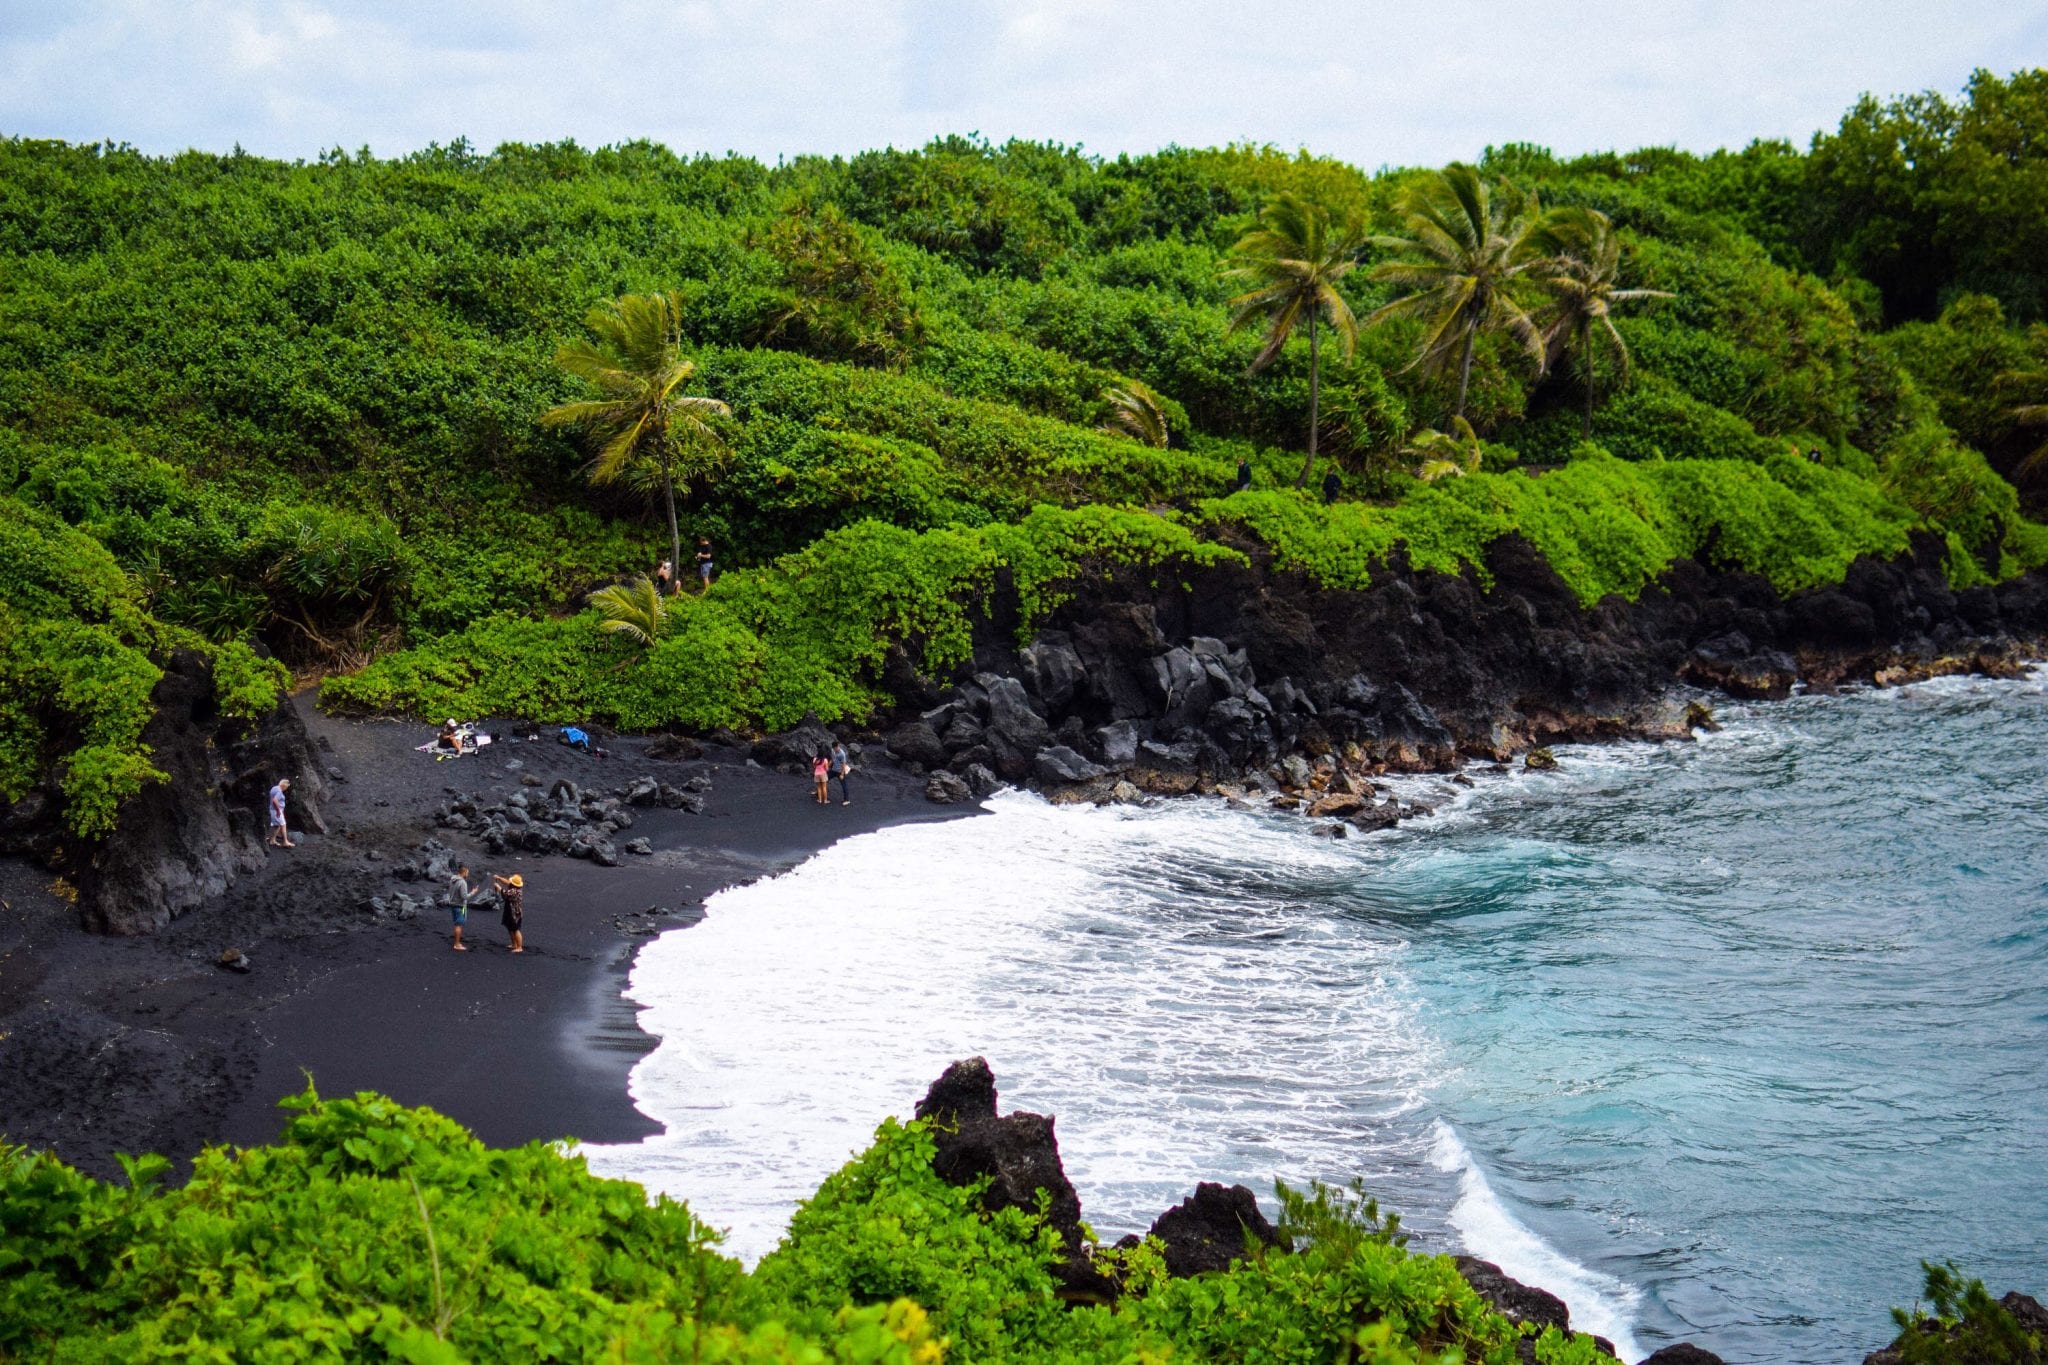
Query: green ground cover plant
<point>297,406</point>
<point>374,1232</point>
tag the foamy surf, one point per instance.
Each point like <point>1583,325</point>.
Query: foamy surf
<point>1600,1303</point>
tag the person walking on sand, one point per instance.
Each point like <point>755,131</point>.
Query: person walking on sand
<point>459,897</point>
<point>280,837</point>
<point>821,772</point>
<point>512,895</point>
<point>842,768</point>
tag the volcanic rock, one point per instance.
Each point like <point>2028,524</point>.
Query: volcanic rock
<point>1210,1229</point>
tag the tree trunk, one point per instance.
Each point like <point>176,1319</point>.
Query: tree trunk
<point>1315,376</point>
<point>675,537</point>
<point>1465,373</point>
<point>1586,349</point>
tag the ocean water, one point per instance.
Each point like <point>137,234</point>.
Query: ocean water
<point>1714,1040</point>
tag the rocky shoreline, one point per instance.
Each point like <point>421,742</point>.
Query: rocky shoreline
<point>1259,686</point>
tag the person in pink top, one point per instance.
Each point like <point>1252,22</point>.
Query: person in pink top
<point>821,774</point>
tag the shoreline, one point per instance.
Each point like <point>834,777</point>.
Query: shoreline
<point>112,1044</point>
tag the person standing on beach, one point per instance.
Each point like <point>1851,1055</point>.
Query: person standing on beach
<point>512,895</point>
<point>821,773</point>
<point>842,768</point>
<point>459,897</point>
<point>280,837</point>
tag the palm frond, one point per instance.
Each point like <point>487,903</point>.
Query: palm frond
<point>633,609</point>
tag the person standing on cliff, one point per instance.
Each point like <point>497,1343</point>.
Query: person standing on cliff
<point>842,768</point>
<point>512,896</point>
<point>459,897</point>
<point>280,837</point>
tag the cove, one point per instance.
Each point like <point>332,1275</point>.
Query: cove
<point>1713,1040</point>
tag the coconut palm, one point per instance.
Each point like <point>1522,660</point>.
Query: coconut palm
<point>1580,270</point>
<point>1445,454</point>
<point>635,361</point>
<point>1293,261</point>
<point>1135,411</point>
<point>1468,243</point>
<point>632,609</point>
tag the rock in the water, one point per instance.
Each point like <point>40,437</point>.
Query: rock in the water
<point>946,789</point>
<point>1700,716</point>
<point>1539,760</point>
<point>981,781</point>
<point>1683,1353</point>
<point>1209,1230</point>
<point>1338,805</point>
<point>1515,1301</point>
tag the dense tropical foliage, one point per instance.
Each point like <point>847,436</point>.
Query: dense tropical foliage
<point>251,407</point>
<point>376,1232</point>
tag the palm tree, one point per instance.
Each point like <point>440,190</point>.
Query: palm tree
<point>1467,244</point>
<point>1293,261</point>
<point>635,361</point>
<point>1135,411</point>
<point>1580,273</point>
<point>632,609</point>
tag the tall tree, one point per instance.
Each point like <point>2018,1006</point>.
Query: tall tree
<point>1468,243</point>
<point>1293,261</point>
<point>634,359</point>
<point>1581,273</point>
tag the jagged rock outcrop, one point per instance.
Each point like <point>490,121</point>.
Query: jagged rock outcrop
<point>184,840</point>
<point>1017,1153</point>
<point>1520,1303</point>
<point>1295,693</point>
<point>1211,1228</point>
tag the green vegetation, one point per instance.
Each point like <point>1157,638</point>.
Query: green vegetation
<point>1966,1326</point>
<point>376,1232</point>
<point>249,406</point>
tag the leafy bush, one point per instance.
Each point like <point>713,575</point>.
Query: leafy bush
<point>375,1232</point>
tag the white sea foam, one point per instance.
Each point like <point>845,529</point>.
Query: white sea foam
<point>1174,983</point>
<point>1600,1303</point>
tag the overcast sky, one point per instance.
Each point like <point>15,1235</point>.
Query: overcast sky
<point>1371,82</point>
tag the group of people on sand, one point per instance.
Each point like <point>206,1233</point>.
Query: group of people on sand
<point>825,766</point>
<point>665,572</point>
<point>511,893</point>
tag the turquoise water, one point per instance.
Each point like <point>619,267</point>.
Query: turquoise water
<point>1715,1040</point>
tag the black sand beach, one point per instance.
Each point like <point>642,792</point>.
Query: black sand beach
<point>132,1044</point>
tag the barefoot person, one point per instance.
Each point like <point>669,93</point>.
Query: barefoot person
<point>821,773</point>
<point>842,768</point>
<point>512,895</point>
<point>459,897</point>
<point>279,836</point>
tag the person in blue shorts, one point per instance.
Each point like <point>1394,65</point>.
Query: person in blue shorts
<point>459,897</point>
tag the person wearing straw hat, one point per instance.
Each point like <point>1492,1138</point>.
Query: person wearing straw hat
<point>512,895</point>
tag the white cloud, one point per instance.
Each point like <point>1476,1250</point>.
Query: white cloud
<point>1372,81</point>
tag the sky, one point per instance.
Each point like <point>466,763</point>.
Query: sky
<point>1374,83</point>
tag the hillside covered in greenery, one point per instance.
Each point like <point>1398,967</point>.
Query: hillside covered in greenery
<point>302,406</point>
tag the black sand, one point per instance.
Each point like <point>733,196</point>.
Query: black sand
<point>140,1044</point>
